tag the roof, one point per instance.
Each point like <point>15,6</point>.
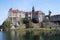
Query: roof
<point>36,12</point>
<point>28,13</point>
<point>39,12</point>
<point>16,11</point>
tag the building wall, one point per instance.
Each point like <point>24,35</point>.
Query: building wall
<point>38,15</point>
<point>34,15</point>
<point>22,14</point>
<point>55,18</point>
<point>15,15</point>
<point>41,17</point>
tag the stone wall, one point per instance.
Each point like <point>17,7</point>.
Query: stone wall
<point>38,25</point>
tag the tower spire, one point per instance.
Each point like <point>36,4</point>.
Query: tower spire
<point>33,9</point>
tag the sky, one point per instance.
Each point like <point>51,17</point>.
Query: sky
<point>26,5</point>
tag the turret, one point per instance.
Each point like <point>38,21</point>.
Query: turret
<point>49,14</point>
<point>33,9</point>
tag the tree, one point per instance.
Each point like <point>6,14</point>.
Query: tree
<point>6,24</point>
<point>35,20</point>
<point>25,20</point>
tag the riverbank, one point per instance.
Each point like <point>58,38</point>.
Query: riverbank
<point>36,29</point>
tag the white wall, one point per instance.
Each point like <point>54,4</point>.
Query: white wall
<point>41,17</point>
<point>22,14</point>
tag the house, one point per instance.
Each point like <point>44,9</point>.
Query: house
<point>55,19</point>
<point>38,15</point>
<point>15,15</point>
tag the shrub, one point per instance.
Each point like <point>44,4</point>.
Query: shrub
<point>35,20</point>
<point>25,20</point>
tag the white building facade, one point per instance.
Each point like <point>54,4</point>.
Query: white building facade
<point>15,15</point>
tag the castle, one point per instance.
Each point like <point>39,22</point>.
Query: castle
<point>14,16</point>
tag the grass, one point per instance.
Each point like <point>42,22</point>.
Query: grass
<point>37,29</point>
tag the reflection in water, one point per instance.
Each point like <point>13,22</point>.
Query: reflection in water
<point>29,35</point>
<point>1,35</point>
<point>36,37</point>
<point>12,35</point>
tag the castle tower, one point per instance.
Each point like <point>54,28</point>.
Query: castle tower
<point>33,9</point>
<point>33,12</point>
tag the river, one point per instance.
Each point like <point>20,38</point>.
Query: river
<point>26,35</point>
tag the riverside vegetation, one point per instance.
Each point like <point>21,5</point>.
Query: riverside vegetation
<point>7,25</point>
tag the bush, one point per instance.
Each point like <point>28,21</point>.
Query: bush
<point>35,20</point>
<point>25,20</point>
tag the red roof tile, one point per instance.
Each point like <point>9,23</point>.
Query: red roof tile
<point>39,12</point>
<point>16,11</point>
<point>28,13</point>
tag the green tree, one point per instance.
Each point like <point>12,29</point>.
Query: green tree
<point>35,20</point>
<point>6,24</point>
<point>25,20</point>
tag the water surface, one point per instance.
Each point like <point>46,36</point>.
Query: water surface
<point>30,35</point>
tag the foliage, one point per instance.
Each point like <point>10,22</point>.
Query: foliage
<point>35,20</point>
<point>25,20</point>
<point>6,24</point>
